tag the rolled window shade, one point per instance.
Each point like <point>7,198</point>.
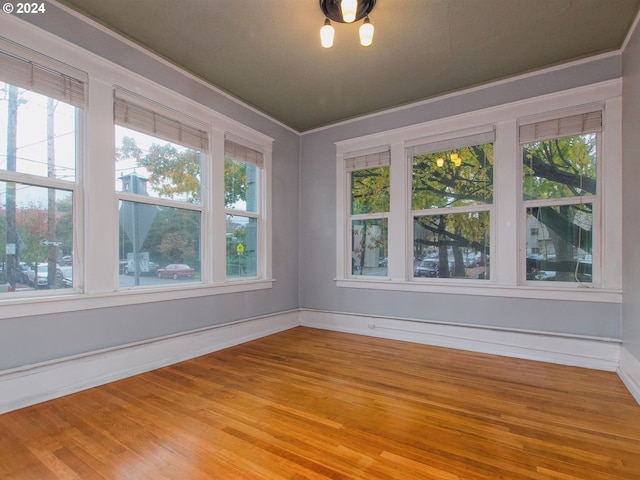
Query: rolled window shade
<point>243,154</point>
<point>561,127</point>
<point>454,143</point>
<point>372,160</point>
<point>145,120</point>
<point>41,79</point>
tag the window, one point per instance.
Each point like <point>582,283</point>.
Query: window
<point>243,169</point>
<point>559,192</point>
<point>159,158</point>
<point>451,202</point>
<point>369,211</point>
<point>39,114</point>
<point>520,200</point>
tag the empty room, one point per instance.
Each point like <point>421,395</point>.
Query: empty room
<point>320,239</point>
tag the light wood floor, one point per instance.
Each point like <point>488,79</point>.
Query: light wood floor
<point>313,404</point>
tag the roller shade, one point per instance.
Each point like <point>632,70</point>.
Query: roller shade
<point>137,117</point>
<point>561,127</point>
<point>454,143</point>
<point>372,160</point>
<point>41,79</point>
<point>243,154</point>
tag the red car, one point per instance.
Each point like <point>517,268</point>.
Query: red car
<point>176,271</point>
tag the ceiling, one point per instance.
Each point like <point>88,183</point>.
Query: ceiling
<point>267,52</point>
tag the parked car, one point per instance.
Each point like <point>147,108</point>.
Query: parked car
<point>175,271</point>
<point>426,268</point>
<point>25,274</point>
<point>67,275</point>
<point>42,275</point>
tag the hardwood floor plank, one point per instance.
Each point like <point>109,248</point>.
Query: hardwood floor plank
<point>314,404</point>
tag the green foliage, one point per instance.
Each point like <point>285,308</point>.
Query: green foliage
<point>172,172</point>
<point>470,183</point>
<point>235,181</point>
<point>370,190</point>
<point>560,168</point>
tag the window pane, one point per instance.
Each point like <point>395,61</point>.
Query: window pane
<point>370,190</point>
<point>451,245</point>
<point>242,246</point>
<point>562,167</point>
<point>241,185</point>
<point>369,247</point>
<point>561,248</point>
<point>40,136</point>
<point>158,244</point>
<point>148,166</point>
<point>36,234</point>
<point>453,178</point>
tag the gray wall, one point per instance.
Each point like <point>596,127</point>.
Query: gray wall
<point>631,178</point>
<point>318,223</point>
<point>29,340</point>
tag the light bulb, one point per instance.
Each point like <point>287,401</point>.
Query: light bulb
<point>326,34</point>
<point>366,33</point>
<point>349,8</point>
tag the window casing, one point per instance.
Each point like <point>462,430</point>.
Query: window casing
<point>507,234</point>
<point>88,243</point>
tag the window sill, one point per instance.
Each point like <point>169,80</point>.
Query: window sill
<point>70,302</point>
<point>486,289</point>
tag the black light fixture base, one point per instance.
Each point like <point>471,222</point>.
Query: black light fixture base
<point>331,9</point>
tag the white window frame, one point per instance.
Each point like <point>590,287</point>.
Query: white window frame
<point>122,97</point>
<point>595,200</point>
<point>459,140</point>
<point>263,266</point>
<point>353,163</point>
<point>507,224</point>
<point>97,211</point>
<point>47,73</point>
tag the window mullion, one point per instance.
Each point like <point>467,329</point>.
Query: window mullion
<point>216,226</point>
<point>101,206</point>
<point>507,191</point>
<point>398,219</point>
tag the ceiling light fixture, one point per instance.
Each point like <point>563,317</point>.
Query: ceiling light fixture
<point>346,11</point>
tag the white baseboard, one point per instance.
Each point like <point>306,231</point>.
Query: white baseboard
<point>546,347</point>
<point>33,384</point>
<point>629,373</point>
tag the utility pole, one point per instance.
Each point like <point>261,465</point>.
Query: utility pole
<point>12,134</point>
<point>51,192</point>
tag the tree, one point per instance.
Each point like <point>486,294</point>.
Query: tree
<point>172,173</point>
<point>460,178</point>
<point>235,182</point>
<point>370,194</point>
<point>563,168</point>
